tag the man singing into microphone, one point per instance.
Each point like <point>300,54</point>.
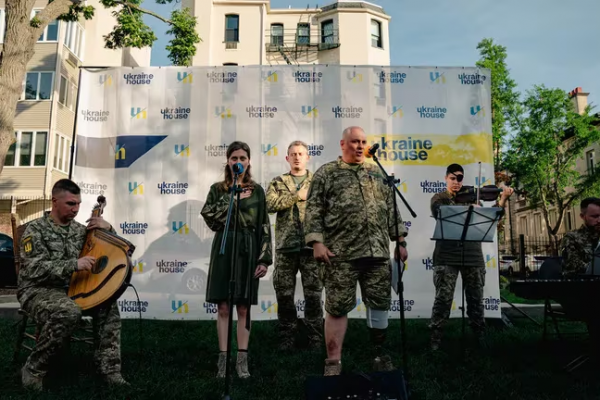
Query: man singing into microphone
<point>447,263</point>
<point>349,223</point>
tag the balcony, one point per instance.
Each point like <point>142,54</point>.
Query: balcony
<point>299,40</point>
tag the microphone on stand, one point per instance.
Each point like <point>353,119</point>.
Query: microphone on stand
<point>371,150</point>
<point>238,168</point>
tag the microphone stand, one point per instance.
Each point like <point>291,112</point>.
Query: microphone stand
<point>235,190</point>
<point>391,182</point>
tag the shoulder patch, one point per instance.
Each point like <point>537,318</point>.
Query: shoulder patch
<point>27,244</point>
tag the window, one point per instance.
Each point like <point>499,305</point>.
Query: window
<point>277,34</point>
<point>50,33</point>
<point>523,226</point>
<point>537,220</point>
<point>327,31</point>
<point>376,34</point>
<point>303,34</point>
<point>568,221</point>
<point>2,24</point>
<point>28,151</point>
<point>74,38</point>
<point>38,86</point>
<point>62,153</point>
<point>232,28</point>
<point>589,160</point>
<point>67,94</point>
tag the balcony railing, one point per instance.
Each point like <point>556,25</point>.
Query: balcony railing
<point>301,39</point>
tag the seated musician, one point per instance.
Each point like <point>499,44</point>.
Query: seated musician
<point>577,247</point>
<point>50,248</point>
<point>448,263</point>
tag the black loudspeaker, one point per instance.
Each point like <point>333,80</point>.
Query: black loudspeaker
<point>374,386</point>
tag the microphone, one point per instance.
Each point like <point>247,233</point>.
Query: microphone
<point>238,168</point>
<point>371,150</point>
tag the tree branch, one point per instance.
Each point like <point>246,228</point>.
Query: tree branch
<point>50,13</point>
<point>142,10</point>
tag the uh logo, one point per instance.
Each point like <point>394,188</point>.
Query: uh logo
<point>268,307</point>
<point>185,77</point>
<point>269,149</point>
<point>105,80</point>
<point>360,306</point>
<point>136,188</point>
<point>182,150</point>
<point>395,112</point>
<point>484,181</point>
<point>490,261</point>
<point>437,77</point>
<point>270,76</point>
<point>138,113</point>
<point>310,111</point>
<point>138,265</point>
<point>179,307</point>
<point>180,227</point>
<point>477,111</point>
<point>354,77</point>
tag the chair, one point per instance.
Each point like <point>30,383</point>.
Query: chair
<point>27,327</point>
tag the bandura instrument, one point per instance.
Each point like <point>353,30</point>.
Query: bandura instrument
<point>112,271</point>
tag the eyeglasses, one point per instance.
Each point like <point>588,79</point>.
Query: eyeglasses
<point>458,178</point>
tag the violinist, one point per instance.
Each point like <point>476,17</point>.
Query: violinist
<point>448,262</point>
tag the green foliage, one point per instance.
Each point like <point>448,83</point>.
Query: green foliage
<point>183,45</point>
<point>504,96</point>
<point>550,137</point>
<point>131,31</point>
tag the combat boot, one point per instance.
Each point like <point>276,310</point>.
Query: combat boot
<point>332,367</point>
<point>436,339</point>
<point>222,364</point>
<point>31,381</point>
<point>242,365</point>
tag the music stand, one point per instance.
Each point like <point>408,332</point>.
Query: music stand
<point>466,224</point>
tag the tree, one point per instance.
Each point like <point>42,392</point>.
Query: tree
<point>504,97</point>
<point>22,33</point>
<point>550,137</point>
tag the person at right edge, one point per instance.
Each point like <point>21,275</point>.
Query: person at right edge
<point>349,223</point>
<point>447,263</point>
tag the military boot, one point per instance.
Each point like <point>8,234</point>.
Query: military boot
<point>332,367</point>
<point>383,363</point>
<point>242,365</point>
<point>115,379</point>
<point>31,381</point>
<point>222,364</point>
<point>436,339</point>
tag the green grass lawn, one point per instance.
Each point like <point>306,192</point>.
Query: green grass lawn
<point>178,361</point>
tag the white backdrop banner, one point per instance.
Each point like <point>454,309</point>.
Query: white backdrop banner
<point>153,140</point>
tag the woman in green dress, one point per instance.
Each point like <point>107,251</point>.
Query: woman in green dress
<point>254,251</point>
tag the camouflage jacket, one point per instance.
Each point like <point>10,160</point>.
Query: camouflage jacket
<point>576,249</point>
<point>282,199</point>
<point>49,254</point>
<point>351,211</point>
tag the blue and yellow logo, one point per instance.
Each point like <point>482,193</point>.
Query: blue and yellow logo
<point>396,112</point>
<point>182,150</point>
<point>223,112</point>
<point>179,307</point>
<point>310,111</point>
<point>436,77</point>
<point>138,113</point>
<point>105,80</point>
<point>269,149</point>
<point>180,227</point>
<point>402,186</point>
<point>490,261</point>
<point>135,188</point>
<point>271,76</point>
<point>268,307</point>
<point>185,77</point>
<point>484,181</point>
<point>120,152</point>
<point>477,111</point>
<point>354,77</point>
<point>138,266</point>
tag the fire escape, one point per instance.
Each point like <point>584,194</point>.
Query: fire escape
<point>303,43</point>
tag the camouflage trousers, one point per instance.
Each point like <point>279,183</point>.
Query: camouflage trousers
<point>287,266</point>
<point>58,316</point>
<point>340,278</point>
<point>444,279</point>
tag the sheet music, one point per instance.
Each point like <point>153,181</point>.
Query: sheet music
<point>481,227</point>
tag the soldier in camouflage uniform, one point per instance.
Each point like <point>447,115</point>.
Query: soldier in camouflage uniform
<point>349,223</point>
<point>448,263</point>
<point>577,247</point>
<point>50,248</point>
<point>286,196</point>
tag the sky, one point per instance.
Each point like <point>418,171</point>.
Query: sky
<point>550,42</point>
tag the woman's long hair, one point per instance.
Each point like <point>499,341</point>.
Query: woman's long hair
<point>247,179</point>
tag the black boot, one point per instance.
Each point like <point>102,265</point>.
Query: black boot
<point>382,361</point>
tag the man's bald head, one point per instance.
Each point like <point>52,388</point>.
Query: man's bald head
<point>353,143</point>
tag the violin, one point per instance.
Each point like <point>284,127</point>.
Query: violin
<point>471,194</point>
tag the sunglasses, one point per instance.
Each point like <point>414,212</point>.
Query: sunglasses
<point>458,178</point>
